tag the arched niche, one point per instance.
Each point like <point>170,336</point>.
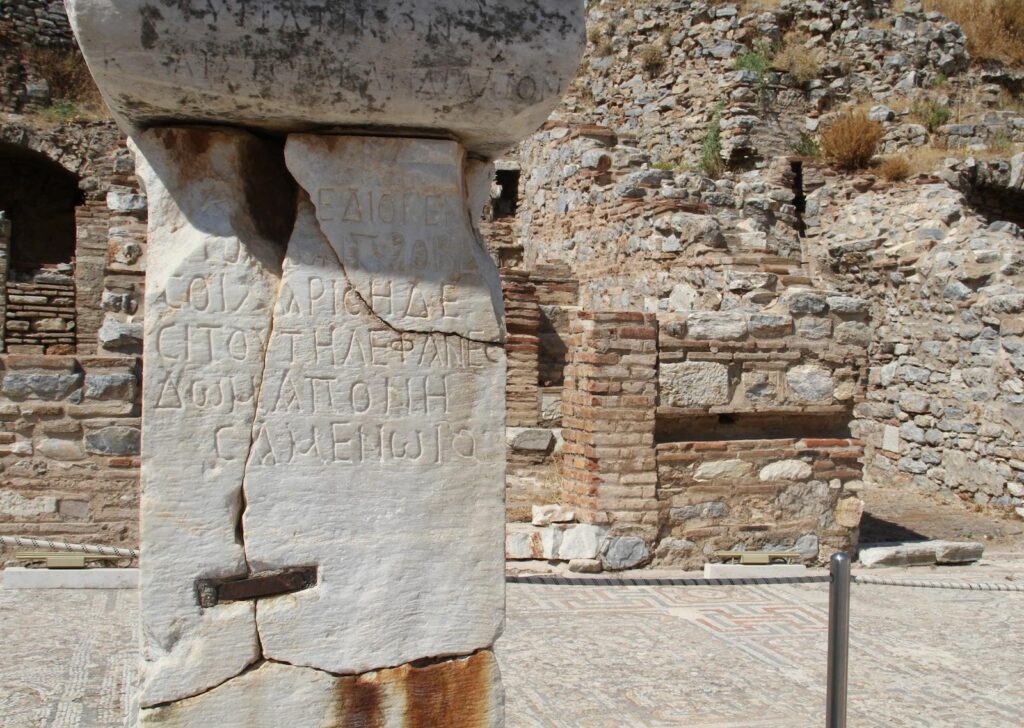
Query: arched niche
<point>39,197</point>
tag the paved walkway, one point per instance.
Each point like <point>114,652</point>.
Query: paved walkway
<point>619,657</point>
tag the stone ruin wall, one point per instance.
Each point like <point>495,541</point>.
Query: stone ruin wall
<point>70,374</point>
<point>27,24</point>
<point>944,407</point>
<point>69,445</point>
<point>601,229</point>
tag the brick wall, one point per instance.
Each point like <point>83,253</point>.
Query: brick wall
<point>41,313</point>
<point>69,444</point>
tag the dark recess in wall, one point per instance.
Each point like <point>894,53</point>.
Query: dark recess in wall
<point>39,198</point>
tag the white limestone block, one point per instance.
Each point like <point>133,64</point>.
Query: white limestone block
<point>489,73</point>
<point>891,439</point>
<point>550,541</point>
<point>920,553</point>
<point>522,541</point>
<point>378,450</point>
<point>214,237</point>
<point>581,541</point>
<point>547,514</point>
<point>786,470</point>
<point>722,469</point>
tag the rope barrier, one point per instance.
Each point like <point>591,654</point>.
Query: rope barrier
<point>932,584</point>
<point>551,579</point>
<point>85,548</point>
<point>555,580</point>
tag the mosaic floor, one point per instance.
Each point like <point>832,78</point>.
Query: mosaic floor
<point>614,657</point>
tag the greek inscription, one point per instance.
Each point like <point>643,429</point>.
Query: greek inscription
<point>344,442</point>
<point>371,206</point>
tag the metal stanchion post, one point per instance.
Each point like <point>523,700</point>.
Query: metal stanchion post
<point>838,640</point>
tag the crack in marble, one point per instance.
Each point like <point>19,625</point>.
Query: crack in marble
<point>240,525</point>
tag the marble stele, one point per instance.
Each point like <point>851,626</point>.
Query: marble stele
<point>323,402</point>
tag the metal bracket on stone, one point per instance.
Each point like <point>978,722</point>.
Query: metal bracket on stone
<point>211,592</point>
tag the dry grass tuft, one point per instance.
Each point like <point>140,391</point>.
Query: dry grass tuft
<point>68,76</point>
<point>601,38</point>
<point>930,113</point>
<point>994,28</point>
<point>850,141</point>
<point>652,59</point>
<point>896,168</point>
<point>797,58</point>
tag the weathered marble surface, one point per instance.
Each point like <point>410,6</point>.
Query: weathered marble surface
<point>324,387</point>
<point>486,72</point>
<point>217,218</point>
<point>459,693</point>
<point>378,450</point>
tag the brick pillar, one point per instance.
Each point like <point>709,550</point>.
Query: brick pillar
<point>522,317</point>
<point>608,464</point>
<point>90,264</point>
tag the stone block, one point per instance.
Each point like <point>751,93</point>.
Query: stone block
<point>273,695</point>
<point>801,301</point>
<point>811,383</point>
<point>694,384</point>
<point>717,325</point>
<point>770,325</point>
<point>849,512</point>
<point>522,541</point>
<point>124,199</point>
<point>848,305</point>
<point>853,333</point>
<point>760,387</point>
<point>13,503</point>
<point>40,385</point>
<point>891,439</point>
<point>674,551</point>
<point>58,449</point>
<point>786,470</point>
<point>920,553</point>
<point>545,515</point>
<point>733,469</point>
<point>624,552</point>
<point>110,385</point>
<point>703,511</point>
<point>114,440</point>
<point>120,336</point>
<point>529,439</point>
<point>581,541</point>
<point>586,566</point>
